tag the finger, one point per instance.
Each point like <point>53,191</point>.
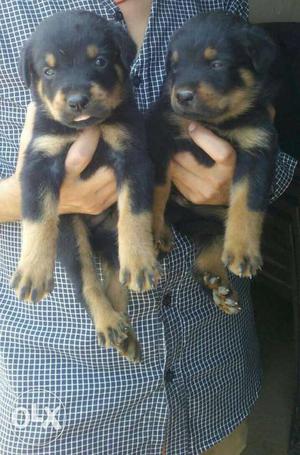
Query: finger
<point>185,166</point>
<point>185,160</point>
<point>102,178</point>
<point>82,151</point>
<point>188,193</point>
<point>26,134</point>
<point>217,148</point>
<point>112,199</point>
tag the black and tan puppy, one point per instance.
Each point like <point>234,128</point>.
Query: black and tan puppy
<point>77,67</point>
<point>218,75</point>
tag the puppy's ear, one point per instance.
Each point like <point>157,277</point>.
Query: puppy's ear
<point>260,48</point>
<point>26,63</point>
<point>125,45</point>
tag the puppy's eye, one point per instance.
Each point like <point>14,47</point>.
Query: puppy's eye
<point>49,72</point>
<point>101,62</point>
<point>217,65</point>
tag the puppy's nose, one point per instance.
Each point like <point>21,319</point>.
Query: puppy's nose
<point>184,96</point>
<point>78,102</point>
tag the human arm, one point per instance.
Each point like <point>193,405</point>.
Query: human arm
<point>90,196</point>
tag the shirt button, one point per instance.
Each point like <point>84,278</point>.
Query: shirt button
<point>167,300</point>
<point>119,16</point>
<point>169,376</point>
<point>136,80</point>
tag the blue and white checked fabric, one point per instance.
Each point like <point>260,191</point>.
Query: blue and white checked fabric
<point>62,394</point>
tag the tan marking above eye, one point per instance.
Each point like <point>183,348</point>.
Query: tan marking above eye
<point>247,77</point>
<point>175,57</point>
<point>50,60</point>
<point>92,51</point>
<point>210,53</point>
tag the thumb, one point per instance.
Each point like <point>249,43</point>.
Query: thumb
<point>82,150</point>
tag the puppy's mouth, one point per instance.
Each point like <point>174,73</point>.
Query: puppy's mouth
<point>84,120</point>
<point>197,111</point>
<point>81,118</point>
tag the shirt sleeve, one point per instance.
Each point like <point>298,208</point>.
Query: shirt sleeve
<point>284,172</point>
<point>240,7</point>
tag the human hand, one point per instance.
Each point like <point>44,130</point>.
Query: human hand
<point>91,196</point>
<point>198,183</point>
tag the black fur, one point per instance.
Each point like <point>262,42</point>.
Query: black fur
<point>211,57</point>
<point>80,56</point>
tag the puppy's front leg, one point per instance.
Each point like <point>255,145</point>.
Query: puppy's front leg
<point>138,267</point>
<point>135,181</point>
<point>248,202</point>
<point>41,178</point>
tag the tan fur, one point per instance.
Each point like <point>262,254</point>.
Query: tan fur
<point>249,138</point>
<point>175,57</point>
<point>51,144</point>
<point>110,99</point>
<point>235,102</point>
<point>50,60</point>
<point>116,293</point>
<point>209,260</point>
<point>101,310</point>
<point>136,248</point>
<point>162,233</point>
<point>243,230</point>
<point>115,135</point>
<point>247,77</point>
<point>56,106</point>
<point>210,53</point>
<point>92,51</point>
<point>38,253</point>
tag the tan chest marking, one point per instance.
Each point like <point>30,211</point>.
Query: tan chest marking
<point>249,138</point>
<point>117,136</point>
<point>52,144</point>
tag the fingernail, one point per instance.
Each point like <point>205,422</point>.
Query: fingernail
<point>192,127</point>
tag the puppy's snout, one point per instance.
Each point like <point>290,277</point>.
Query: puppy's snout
<point>185,96</point>
<point>77,102</point>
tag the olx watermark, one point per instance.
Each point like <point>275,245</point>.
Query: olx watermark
<point>38,417</point>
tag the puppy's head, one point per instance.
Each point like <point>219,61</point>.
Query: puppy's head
<point>77,65</point>
<point>217,66</point>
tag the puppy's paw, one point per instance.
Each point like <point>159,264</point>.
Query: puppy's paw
<point>112,329</point>
<point>32,284</point>
<point>242,260</point>
<point>130,348</point>
<point>224,296</point>
<point>139,271</point>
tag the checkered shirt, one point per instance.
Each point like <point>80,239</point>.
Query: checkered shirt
<point>62,394</point>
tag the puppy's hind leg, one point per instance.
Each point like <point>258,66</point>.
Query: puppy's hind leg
<point>118,296</point>
<point>112,326</point>
<point>214,276</point>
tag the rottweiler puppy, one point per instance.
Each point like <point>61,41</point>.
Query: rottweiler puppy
<point>218,74</point>
<point>77,67</point>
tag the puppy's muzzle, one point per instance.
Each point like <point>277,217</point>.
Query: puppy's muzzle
<point>184,97</point>
<point>77,102</point>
